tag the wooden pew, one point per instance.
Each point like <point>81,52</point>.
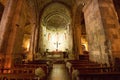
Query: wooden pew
<point>23,71</point>
<point>84,57</point>
<point>77,64</point>
<point>21,74</point>
<point>38,62</point>
<point>86,65</point>
<point>117,64</point>
<point>78,61</point>
<point>34,66</point>
<point>100,76</point>
<point>94,69</point>
<point>18,77</point>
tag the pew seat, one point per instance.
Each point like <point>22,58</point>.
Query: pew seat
<point>100,76</point>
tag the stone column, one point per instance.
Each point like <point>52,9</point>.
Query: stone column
<point>8,29</point>
<point>70,41</point>
<point>111,25</point>
<point>37,42</point>
<point>5,23</point>
<point>78,30</point>
<point>4,27</point>
<point>95,32</point>
<point>32,42</point>
<point>78,37</point>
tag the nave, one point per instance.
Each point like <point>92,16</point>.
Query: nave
<point>59,72</point>
<point>35,33</point>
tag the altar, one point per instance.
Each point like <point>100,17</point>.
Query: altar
<point>55,54</point>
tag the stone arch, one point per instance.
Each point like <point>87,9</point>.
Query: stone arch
<point>55,17</point>
<point>78,21</point>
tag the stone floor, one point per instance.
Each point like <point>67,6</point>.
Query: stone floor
<point>59,72</point>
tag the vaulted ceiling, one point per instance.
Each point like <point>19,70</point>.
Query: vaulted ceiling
<point>55,17</point>
<point>38,11</point>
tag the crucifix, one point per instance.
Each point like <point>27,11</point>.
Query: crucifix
<point>57,42</point>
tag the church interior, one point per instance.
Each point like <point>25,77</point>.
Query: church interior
<point>59,40</point>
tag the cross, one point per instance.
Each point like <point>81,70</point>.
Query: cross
<point>57,44</point>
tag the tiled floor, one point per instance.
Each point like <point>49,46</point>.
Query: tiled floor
<point>59,72</point>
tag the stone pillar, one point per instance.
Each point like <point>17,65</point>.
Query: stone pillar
<point>74,38</point>
<point>8,28</point>
<point>77,35</point>
<point>111,25</point>
<point>5,22</point>
<point>95,32</point>
<point>70,37</point>
<point>32,43</point>
<point>78,39</point>
<point>76,31</point>
<point>37,42</point>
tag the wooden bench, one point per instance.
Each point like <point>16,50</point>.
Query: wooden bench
<point>78,61</point>
<point>82,64</point>
<point>38,62</point>
<point>100,76</point>
<point>22,71</point>
<point>86,65</point>
<point>117,64</point>
<point>84,57</point>
<point>34,66</point>
<point>18,77</point>
<point>94,69</point>
<point>21,74</point>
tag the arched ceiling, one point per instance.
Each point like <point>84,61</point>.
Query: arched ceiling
<point>56,16</point>
<point>38,5</point>
<point>56,21</point>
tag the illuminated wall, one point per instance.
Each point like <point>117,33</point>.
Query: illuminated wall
<point>55,28</point>
<point>26,42</point>
<point>55,40</point>
<point>84,42</point>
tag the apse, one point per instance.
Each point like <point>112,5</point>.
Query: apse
<point>55,28</point>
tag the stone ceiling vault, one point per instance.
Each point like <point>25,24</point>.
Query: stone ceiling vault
<point>56,16</point>
<point>35,9</point>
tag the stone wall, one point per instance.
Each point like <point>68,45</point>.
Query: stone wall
<point>24,33</point>
<point>117,8</point>
<point>111,25</point>
<point>95,33</point>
